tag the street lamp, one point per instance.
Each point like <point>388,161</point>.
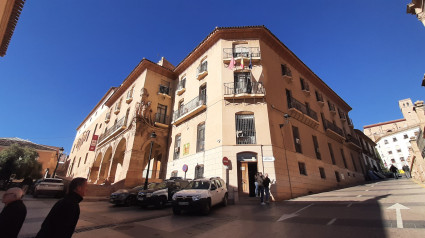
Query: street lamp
<point>153,136</point>
<point>59,156</point>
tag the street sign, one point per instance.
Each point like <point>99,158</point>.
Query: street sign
<point>185,167</point>
<point>225,161</point>
<point>268,159</point>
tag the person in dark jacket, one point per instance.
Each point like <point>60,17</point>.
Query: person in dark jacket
<point>266,183</point>
<point>394,170</point>
<point>63,217</point>
<point>13,214</point>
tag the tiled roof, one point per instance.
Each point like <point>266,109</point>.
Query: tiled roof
<point>21,142</point>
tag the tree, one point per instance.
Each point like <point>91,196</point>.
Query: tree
<point>21,161</point>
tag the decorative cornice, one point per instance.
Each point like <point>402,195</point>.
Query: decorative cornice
<point>12,20</point>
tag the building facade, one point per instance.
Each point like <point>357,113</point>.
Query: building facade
<point>47,155</point>
<point>417,7</point>
<point>370,156</point>
<point>240,94</point>
<point>10,10</point>
<point>410,118</point>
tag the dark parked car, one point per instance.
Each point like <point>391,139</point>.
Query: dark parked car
<point>159,194</point>
<point>125,197</point>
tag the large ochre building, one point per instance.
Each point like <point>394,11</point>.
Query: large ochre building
<point>240,94</point>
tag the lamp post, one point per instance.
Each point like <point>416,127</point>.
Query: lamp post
<point>153,136</point>
<point>59,156</point>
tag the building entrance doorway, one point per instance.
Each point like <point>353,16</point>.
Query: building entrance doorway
<point>247,168</point>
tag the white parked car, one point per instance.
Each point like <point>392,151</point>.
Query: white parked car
<point>49,186</point>
<point>201,194</point>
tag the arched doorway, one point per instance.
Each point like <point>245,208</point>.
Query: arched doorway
<point>104,167</point>
<point>94,171</point>
<point>247,168</point>
<point>117,161</point>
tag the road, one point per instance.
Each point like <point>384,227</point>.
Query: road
<point>391,208</point>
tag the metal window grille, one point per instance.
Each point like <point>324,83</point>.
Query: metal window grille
<point>177,147</point>
<point>245,129</point>
<point>285,70</point>
<point>161,114</point>
<point>316,148</point>
<point>200,143</point>
<point>199,171</point>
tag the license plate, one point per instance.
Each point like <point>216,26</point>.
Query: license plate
<point>183,203</point>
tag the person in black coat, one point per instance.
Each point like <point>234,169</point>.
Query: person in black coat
<point>13,214</point>
<point>63,217</point>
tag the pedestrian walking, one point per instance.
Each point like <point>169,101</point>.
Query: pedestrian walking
<point>260,179</point>
<point>13,214</point>
<point>63,217</point>
<point>266,183</point>
<point>406,171</point>
<point>394,170</point>
<point>257,193</point>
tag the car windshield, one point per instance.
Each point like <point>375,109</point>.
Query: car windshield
<point>52,181</point>
<point>198,185</point>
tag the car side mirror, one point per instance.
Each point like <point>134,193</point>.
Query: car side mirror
<point>213,187</point>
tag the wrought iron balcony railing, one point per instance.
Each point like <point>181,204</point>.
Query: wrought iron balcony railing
<point>192,104</point>
<point>293,103</point>
<point>119,125</point>
<point>162,118</point>
<point>245,52</point>
<point>244,87</point>
<point>333,127</point>
<point>353,140</point>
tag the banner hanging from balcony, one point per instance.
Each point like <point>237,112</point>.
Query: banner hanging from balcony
<point>242,63</point>
<point>232,64</point>
<point>93,143</point>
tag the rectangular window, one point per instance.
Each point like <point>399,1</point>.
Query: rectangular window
<point>199,171</point>
<point>399,150</point>
<point>338,179</point>
<point>177,147</point>
<point>302,168</point>
<point>316,148</point>
<point>331,152</point>
<point>394,139</point>
<point>297,140</point>
<point>161,114</point>
<point>200,143</point>
<point>390,152</point>
<point>393,161</point>
<point>405,136</point>
<point>245,129</point>
<point>203,67</point>
<point>79,160</point>
<point>319,97</point>
<point>285,70</point>
<point>203,94</point>
<point>322,173</point>
<point>354,163</point>
<point>304,85</point>
<point>242,82</point>
<point>331,107</point>
<point>402,159</point>
<point>164,87</point>
<point>343,159</point>
<point>85,160</point>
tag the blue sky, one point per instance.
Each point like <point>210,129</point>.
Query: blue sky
<point>65,55</point>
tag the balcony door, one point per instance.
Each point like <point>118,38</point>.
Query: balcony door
<point>242,82</point>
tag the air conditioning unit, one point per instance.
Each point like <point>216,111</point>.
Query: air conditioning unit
<point>177,150</point>
<point>297,140</point>
<point>239,134</point>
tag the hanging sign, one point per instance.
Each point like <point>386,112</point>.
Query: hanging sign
<point>93,143</point>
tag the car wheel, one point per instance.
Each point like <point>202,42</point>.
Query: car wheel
<point>225,200</point>
<point>177,211</point>
<point>207,208</point>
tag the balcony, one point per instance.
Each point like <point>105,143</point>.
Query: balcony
<point>108,117</point>
<point>252,53</point>
<point>190,109</point>
<point>181,88</point>
<point>333,131</point>
<point>243,90</point>
<point>161,120</point>
<point>202,70</point>
<point>353,143</point>
<point>302,113</point>
<point>114,130</point>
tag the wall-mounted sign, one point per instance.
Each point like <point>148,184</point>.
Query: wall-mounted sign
<point>93,143</point>
<point>268,159</point>
<point>186,148</point>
